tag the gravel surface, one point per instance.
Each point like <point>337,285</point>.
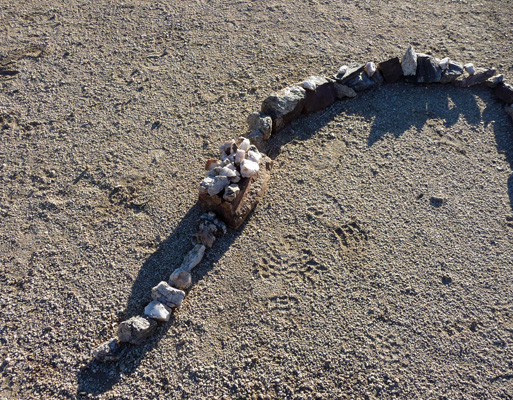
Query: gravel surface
<point>377,266</point>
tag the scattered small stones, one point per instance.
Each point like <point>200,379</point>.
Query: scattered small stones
<point>136,329</point>
<point>409,63</point>
<point>471,70</point>
<point>157,311</point>
<point>107,351</point>
<point>167,295</point>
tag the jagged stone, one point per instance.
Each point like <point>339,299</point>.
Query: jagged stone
<point>284,106</point>
<point>180,279</point>
<point>204,236</point>
<point>262,122</point>
<point>409,62</point>
<point>362,82</point>
<point>321,97</point>
<point>251,191</point>
<point>391,70</point>
<point>480,76</point>
<point>428,70</point>
<point>157,311</point>
<point>257,138</point>
<point>167,295</point>
<point>136,329</point>
<point>342,91</point>
<point>453,70</point>
<point>504,92</point>
<point>494,81</point>
<point>107,351</point>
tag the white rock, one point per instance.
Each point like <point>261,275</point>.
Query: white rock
<point>409,62</point>
<point>167,295</point>
<point>236,178</point>
<point>227,171</point>
<point>180,279</point>
<point>308,85</point>
<point>207,182</point>
<point>470,68</point>
<point>370,69</point>
<point>157,311</point>
<point>254,155</point>
<point>248,168</point>
<point>226,147</point>
<point>240,156</point>
<point>444,63</point>
<point>218,184</point>
<point>193,258</point>
<point>231,192</point>
<point>342,70</point>
<point>244,145</point>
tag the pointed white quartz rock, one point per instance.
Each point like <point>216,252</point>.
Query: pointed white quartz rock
<point>240,156</point>
<point>248,168</point>
<point>409,62</point>
<point>227,171</point>
<point>342,70</point>
<point>254,155</point>
<point>370,69</point>
<point>193,258</point>
<point>444,63</point>
<point>157,311</point>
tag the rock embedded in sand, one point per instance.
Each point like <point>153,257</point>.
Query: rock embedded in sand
<point>261,122</point>
<point>107,351</point>
<point>504,92</point>
<point>480,76</point>
<point>343,91</point>
<point>284,106</point>
<point>167,295</point>
<point>136,329</point>
<point>180,279</point>
<point>157,311</point>
<point>193,258</point>
<point>409,62</point>
<point>391,70</point>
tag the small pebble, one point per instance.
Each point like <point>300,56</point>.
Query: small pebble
<point>470,68</point>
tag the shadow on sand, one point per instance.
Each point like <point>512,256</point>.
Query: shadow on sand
<point>413,106</point>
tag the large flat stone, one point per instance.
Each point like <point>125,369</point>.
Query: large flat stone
<point>252,190</point>
<point>353,70</point>
<point>391,70</point>
<point>284,106</point>
<point>480,76</point>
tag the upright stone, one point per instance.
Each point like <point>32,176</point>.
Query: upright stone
<point>409,63</point>
<point>504,92</point>
<point>284,106</point>
<point>452,71</point>
<point>480,76</point>
<point>136,329</point>
<point>391,70</point>
<point>262,122</point>
<point>428,69</point>
<point>322,96</point>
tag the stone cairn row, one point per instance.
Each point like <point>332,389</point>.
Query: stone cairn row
<point>235,182</point>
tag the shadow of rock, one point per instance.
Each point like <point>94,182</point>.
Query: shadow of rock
<point>96,378</point>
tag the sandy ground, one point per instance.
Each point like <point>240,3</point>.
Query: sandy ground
<point>378,266</point>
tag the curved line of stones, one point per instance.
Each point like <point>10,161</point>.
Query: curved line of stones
<point>278,110</point>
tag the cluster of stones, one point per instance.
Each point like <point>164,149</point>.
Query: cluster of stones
<point>235,182</point>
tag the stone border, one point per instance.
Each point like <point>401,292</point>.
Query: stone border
<point>236,181</point>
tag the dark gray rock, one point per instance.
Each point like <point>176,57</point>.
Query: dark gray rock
<point>361,82</point>
<point>353,70</point>
<point>108,351</point>
<point>391,70</point>
<point>284,106</point>
<point>257,138</point>
<point>453,70</point>
<point>480,76</point>
<point>262,122</point>
<point>509,110</point>
<point>136,329</point>
<point>504,92</point>
<point>428,69</point>
<point>342,91</point>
